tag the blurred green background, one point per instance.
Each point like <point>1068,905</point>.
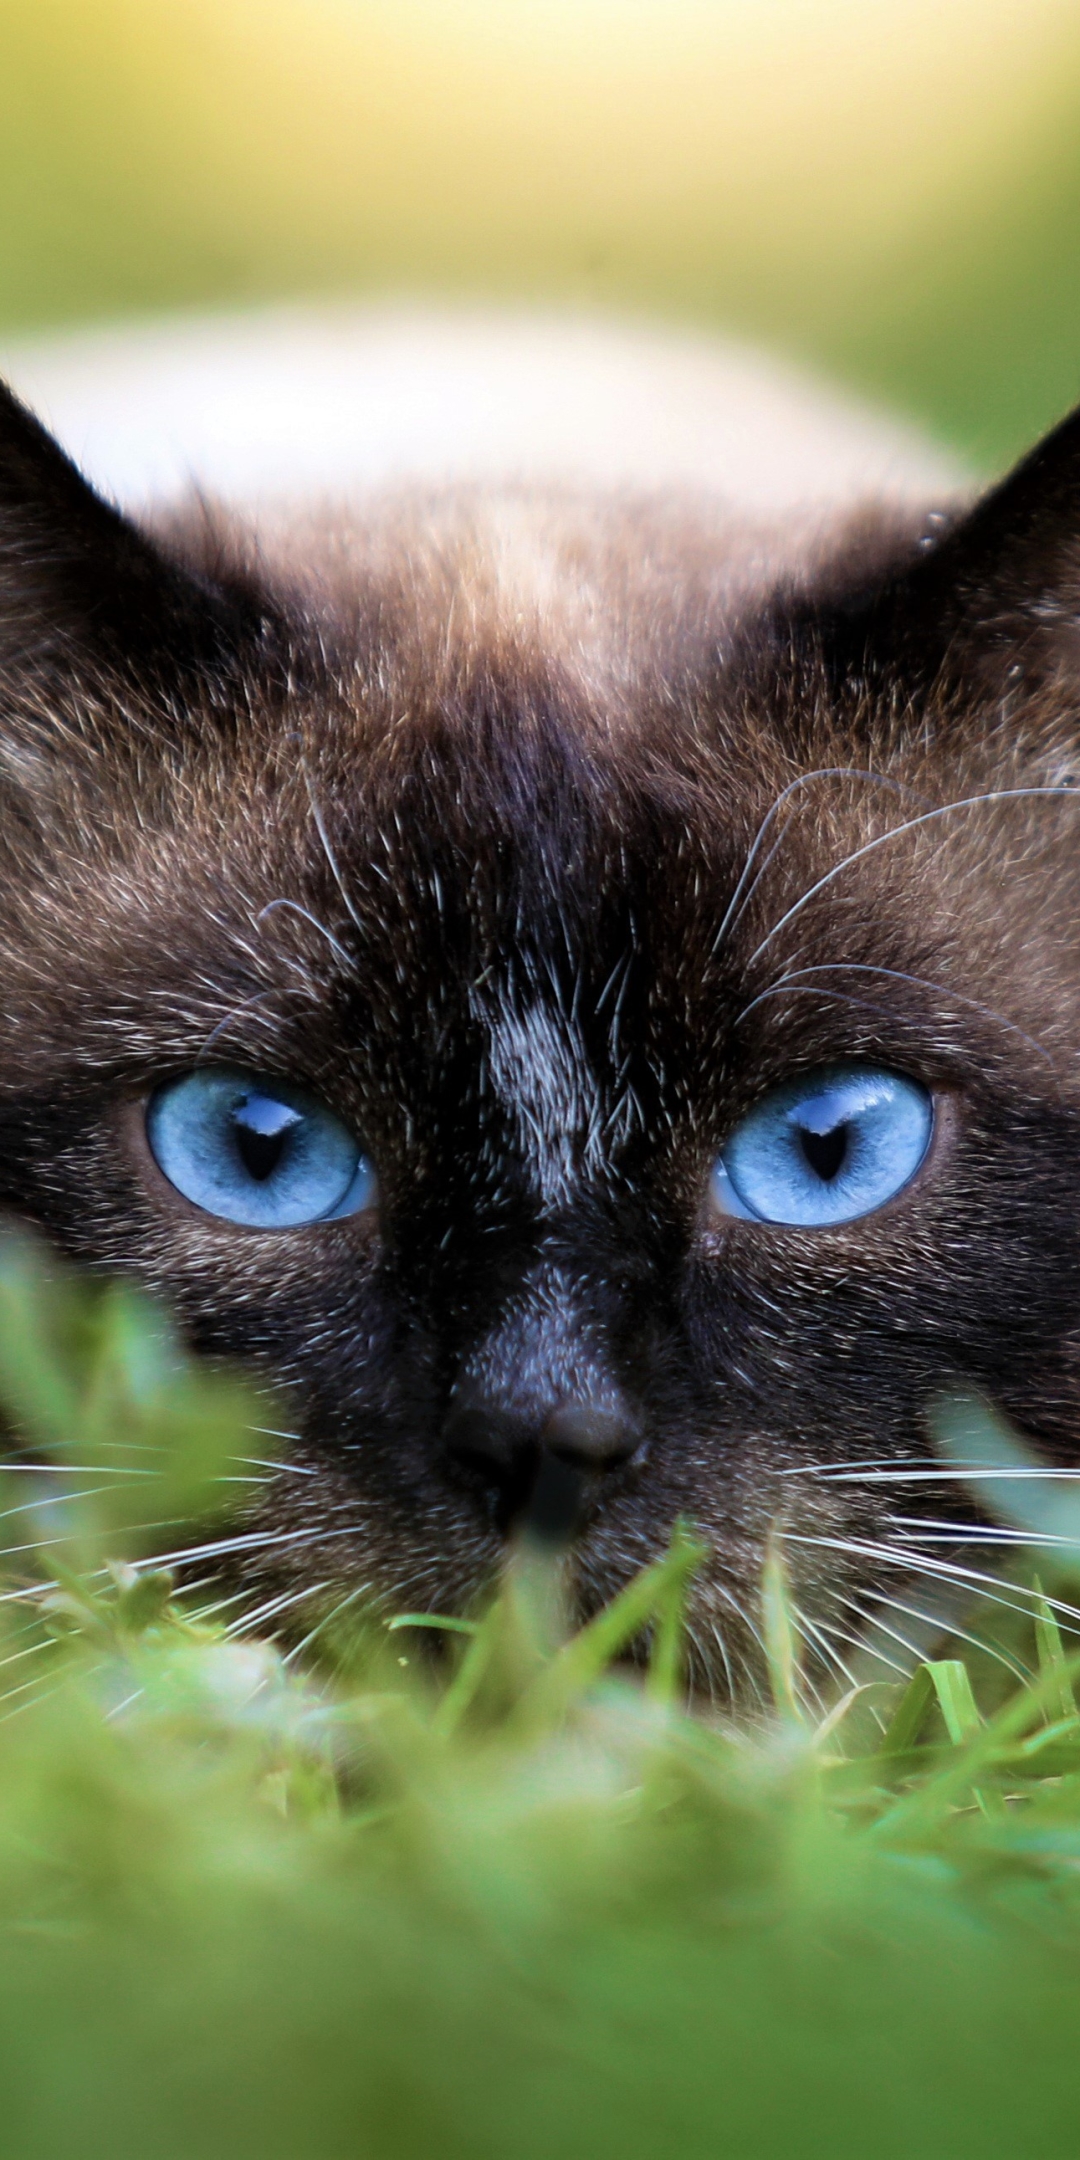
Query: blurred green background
<point>887,188</point>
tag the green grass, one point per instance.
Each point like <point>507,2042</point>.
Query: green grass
<point>517,1904</point>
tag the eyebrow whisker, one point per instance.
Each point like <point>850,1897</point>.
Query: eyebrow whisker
<point>295,907</point>
<point>743,894</point>
<point>895,832</point>
<point>866,967</point>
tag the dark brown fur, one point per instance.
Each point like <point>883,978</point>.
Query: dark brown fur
<point>480,781</point>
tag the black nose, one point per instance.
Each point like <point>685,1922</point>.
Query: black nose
<point>539,1468</point>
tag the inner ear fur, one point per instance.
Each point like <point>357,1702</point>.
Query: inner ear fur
<point>84,594</point>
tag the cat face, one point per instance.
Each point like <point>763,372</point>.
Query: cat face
<point>595,1030</point>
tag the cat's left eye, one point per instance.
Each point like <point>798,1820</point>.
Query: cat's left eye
<point>256,1152</point>
<point>829,1147</point>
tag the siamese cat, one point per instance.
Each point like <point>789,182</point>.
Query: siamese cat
<point>580,994</point>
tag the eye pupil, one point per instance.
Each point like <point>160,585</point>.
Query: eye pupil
<point>269,1156</point>
<point>261,1129</point>
<point>826,1148</point>
<point>826,1152</point>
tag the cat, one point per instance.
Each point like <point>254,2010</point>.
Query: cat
<point>580,995</point>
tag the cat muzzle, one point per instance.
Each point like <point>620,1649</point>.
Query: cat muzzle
<point>542,1474</point>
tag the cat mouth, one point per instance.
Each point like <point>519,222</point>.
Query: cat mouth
<point>550,1501</point>
<point>543,1481</point>
<point>558,1501</point>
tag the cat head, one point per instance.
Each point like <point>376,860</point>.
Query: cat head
<point>590,1017</point>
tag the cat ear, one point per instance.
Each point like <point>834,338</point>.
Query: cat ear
<point>993,596</point>
<point>82,590</point>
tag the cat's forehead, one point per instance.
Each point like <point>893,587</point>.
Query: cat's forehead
<point>525,686</point>
<point>608,592</point>
<point>540,808</point>
<point>519,737</point>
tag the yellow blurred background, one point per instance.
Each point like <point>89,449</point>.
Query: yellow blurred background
<point>888,188</point>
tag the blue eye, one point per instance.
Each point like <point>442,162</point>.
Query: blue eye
<point>256,1152</point>
<point>833,1145</point>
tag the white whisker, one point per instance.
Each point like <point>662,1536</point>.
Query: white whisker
<point>929,1532</point>
<point>863,967</point>
<point>296,909</point>
<point>871,1620</point>
<point>819,1634</point>
<point>324,840</point>
<point>327,1621</point>
<point>257,1616</point>
<point>744,895</point>
<point>927,817</point>
<point>908,1561</point>
<point>941,1625</point>
<point>856,1475</point>
<point>246,1005</point>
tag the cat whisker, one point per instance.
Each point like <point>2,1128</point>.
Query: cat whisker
<point>274,1471</point>
<point>940,1625</point>
<point>296,909</point>
<point>930,1531</point>
<point>742,896</point>
<point>818,1634</point>
<point>343,1605</point>
<point>858,1474</point>
<point>909,1560</point>
<point>324,842</point>
<point>33,1692</point>
<point>872,1621</point>
<point>219,1605</point>
<point>834,997</point>
<point>251,1542</point>
<point>895,832</point>
<point>833,1470</point>
<point>253,1620</point>
<point>247,1005</point>
<point>746,1620</point>
<point>861,967</point>
<point>701,1663</point>
<point>28,1650</point>
<point>705,1663</point>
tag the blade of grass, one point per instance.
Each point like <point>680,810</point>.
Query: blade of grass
<point>952,1686</point>
<point>470,1675</point>
<point>918,1810</point>
<point>1051,1651</point>
<point>909,1717</point>
<point>781,1639</point>
<point>668,1655</point>
<point>587,1655</point>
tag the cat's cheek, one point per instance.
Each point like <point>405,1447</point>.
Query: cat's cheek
<point>723,1219</point>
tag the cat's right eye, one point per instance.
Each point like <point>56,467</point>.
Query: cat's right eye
<point>256,1152</point>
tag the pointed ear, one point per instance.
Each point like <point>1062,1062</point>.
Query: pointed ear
<point>992,597</point>
<point>83,591</point>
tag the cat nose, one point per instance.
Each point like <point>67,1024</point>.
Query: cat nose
<point>539,1467</point>
<point>591,1436</point>
<point>537,1417</point>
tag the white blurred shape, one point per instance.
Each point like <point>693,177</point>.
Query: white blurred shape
<point>334,401</point>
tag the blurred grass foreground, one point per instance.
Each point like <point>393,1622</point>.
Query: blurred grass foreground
<point>888,188</point>
<point>515,1904</point>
